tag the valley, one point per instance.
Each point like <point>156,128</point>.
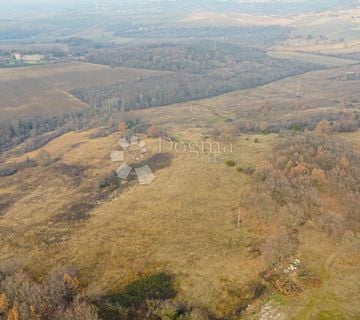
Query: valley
<point>179,160</point>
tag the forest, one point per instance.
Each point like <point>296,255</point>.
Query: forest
<point>257,36</point>
<point>200,69</point>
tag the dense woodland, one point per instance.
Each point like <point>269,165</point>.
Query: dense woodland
<point>180,87</point>
<point>199,70</point>
<point>193,56</point>
<point>255,36</point>
<point>39,131</point>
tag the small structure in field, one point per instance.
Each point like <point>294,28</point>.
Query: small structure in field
<point>17,56</point>
<point>33,58</point>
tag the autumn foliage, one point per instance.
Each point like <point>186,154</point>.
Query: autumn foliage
<point>153,132</point>
<point>57,297</point>
<point>305,169</point>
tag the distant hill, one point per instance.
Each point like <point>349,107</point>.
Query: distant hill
<point>279,6</point>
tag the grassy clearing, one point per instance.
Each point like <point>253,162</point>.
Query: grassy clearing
<point>338,264</point>
<point>310,46</point>
<point>311,58</point>
<point>316,93</point>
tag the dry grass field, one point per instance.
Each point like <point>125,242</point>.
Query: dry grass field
<point>340,23</point>
<point>34,47</point>
<point>43,90</point>
<point>185,222</point>
<point>325,33</point>
<point>311,58</point>
<point>337,48</point>
<point>331,24</point>
<point>315,93</point>
<point>232,19</point>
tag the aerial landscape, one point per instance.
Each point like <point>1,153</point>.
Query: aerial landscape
<point>180,160</point>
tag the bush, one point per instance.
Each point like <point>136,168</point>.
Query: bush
<point>57,297</point>
<point>111,180</point>
<point>6,172</point>
<point>230,163</point>
<point>153,132</point>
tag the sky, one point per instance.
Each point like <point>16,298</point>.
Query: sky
<point>13,3</point>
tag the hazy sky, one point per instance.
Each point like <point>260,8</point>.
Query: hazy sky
<point>38,2</point>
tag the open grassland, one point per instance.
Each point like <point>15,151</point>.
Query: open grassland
<point>184,223</point>
<point>43,90</point>
<point>34,47</point>
<point>297,98</point>
<point>338,265</point>
<point>331,24</point>
<point>311,58</point>
<point>238,19</point>
<point>326,33</point>
<point>314,46</point>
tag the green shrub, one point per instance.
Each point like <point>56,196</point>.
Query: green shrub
<point>230,163</point>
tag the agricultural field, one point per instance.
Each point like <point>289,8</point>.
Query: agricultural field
<point>325,33</point>
<point>44,90</point>
<point>333,25</point>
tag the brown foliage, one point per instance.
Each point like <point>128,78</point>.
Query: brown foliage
<point>318,176</point>
<point>153,132</point>
<point>13,313</point>
<point>3,303</point>
<point>122,126</point>
<point>289,185</point>
<point>288,287</point>
<point>323,128</point>
<point>57,297</point>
